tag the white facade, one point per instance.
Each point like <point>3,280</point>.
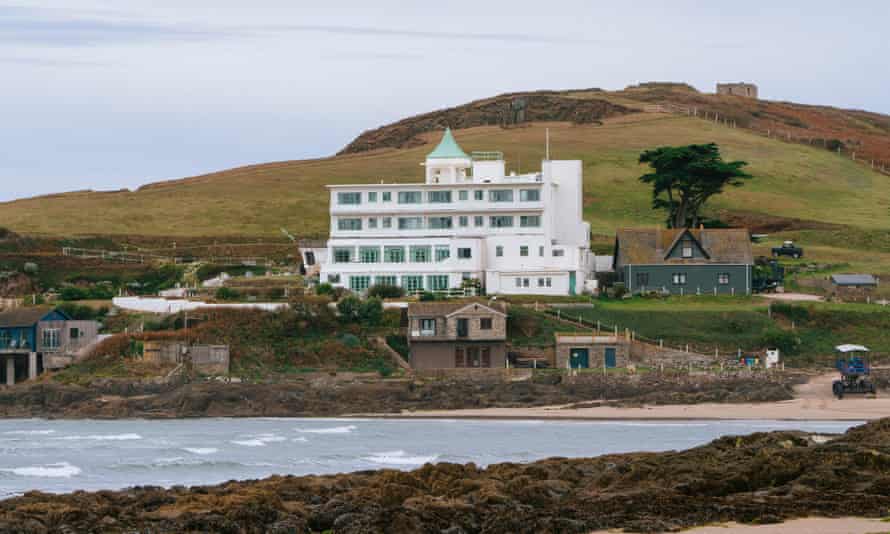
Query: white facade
<point>516,234</point>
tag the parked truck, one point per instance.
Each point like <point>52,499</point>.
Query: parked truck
<point>788,248</point>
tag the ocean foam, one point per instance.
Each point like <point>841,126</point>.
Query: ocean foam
<point>29,432</point>
<point>103,437</point>
<point>201,450</point>
<point>399,458</point>
<point>258,440</point>
<point>59,470</point>
<point>331,430</point>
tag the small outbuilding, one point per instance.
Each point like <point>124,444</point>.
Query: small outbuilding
<point>854,280</point>
<point>583,351</point>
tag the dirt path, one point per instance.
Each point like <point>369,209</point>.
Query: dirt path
<point>813,401</point>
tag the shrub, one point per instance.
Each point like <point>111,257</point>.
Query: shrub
<point>786,342</point>
<point>349,307</point>
<point>798,314</point>
<point>426,296</point>
<point>384,291</point>
<point>30,267</point>
<point>324,289</point>
<point>82,313</point>
<point>350,340</point>
<point>371,312</point>
<point>227,293</point>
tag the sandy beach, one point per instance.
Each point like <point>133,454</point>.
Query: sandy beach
<point>813,401</point>
<point>812,525</point>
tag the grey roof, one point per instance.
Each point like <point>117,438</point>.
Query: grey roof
<point>649,246</point>
<point>854,280</point>
<point>443,308</point>
<point>23,317</point>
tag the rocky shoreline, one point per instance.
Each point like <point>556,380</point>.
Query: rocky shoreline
<point>759,478</point>
<point>328,396</point>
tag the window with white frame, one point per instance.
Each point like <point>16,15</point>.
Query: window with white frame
<point>410,197</point>
<point>349,198</point>
<point>412,282</point>
<point>438,197</point>
<point>464,221</point>
<point>387,222</point>
<point>540,282</point>
<point>443,252</point>
<point>541,251</point>
<point>372,223</point>
<point>372,196</point>
<point>349,224</point>
<point>463,195</point>
<point>500,195</point>
<point>410,223</point>
<point>421,253</point>
<point>437,282</point>
<point>478,220</point>
<point>549,282</point>
<point>499,251</point>
<point>500,221</point>
<point>523,250</point>
<point>723,279</point>
<point>369,254</point>
<point>479,194</point>
<point>343,254</point>
<point>386,196</point>
<point>464,253</point>
<point>686,249</point>
<point>529,195</point>
<point>333,278</point>
<point>519,282</point>
<point>393,254</point>
<point>427,327</point>
<point>51,338</point>
<point>558,252</point>
<point>439,223</point>
<point>359,283</point>
<point>525,282</point>
<point>387,280</point>
<point>529,221</point>
<point>678,279</point>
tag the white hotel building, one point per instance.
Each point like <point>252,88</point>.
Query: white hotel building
<point>517,234</point>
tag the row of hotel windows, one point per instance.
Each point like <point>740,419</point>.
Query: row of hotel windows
<point>396,254</point>
<point>434,282</point>
<point>438,197</point>
<point>438,223</point>
<point>423,254</point>
<point>679,279</point>
<point>526,282</point>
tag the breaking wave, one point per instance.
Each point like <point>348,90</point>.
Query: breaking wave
<point>330,430</point>
<point>103,437</point>
<point>201,450</point>
<point>399,458</point>
<point>29,432</point>
<point>58,470</point>
<point>258,441</point>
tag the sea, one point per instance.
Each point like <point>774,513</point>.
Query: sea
<point>62,456</point>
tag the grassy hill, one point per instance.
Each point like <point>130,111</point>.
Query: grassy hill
<point>839,207</point>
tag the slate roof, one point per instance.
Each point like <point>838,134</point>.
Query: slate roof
<point>854,280</point>
<point>649,246</point>
<point>441,309</point>
<point>23,317</point>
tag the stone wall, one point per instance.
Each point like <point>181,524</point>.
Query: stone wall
<point>737,89</point>
<point>597,351</point>
<point>653,355</point>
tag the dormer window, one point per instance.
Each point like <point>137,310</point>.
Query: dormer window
<point>687,250</point>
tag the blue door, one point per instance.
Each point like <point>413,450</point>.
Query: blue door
<point>579,358</point>
<point>571,282</point>
<point>610,357</point>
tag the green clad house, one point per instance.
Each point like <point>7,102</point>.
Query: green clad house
<point>685,261</point>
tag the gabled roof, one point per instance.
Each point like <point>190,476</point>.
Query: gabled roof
<point>681,235</point>
<point>24,317</point>
<point>447,148</point>
<point>650,246</point>
<point>446,309</point>
<point>854,280</point>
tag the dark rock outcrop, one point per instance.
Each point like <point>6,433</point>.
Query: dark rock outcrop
<point>762,478</point>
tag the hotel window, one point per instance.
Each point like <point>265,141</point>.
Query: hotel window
<point>464,221</point>
<point>478,220</point>
<point>541,251</point>
<point>421,253</point>
<point>412,283</point>
<point>372,196</point>
<point>342,255</point>
<point>500,221</point>
<point>349,224</point>
<point>540,282</point>
<point>463,195</point>
<point>349,198</point>
<point>723,279</point>
<point>438,197</point>
<point>443,252</point>
<point>678,279</point>
<point>427,327</point>
<point>529,195</point>
<point>385,281</point>
<point>439,223</point>
<point>410,223</point>
<point>525,282</point>
<point>464,253</point>
<point>387,222</point>
<point>387,196</point>
<point>485,323</point>
<point>500,195</point>
<point>333,278</point>
<point>549,282</point>
<point>369,254</point>
<point>523,250</point>
<point>437,282</point>
<point>394,254</point>
<point>519,282</point>
<point>642,279</point>
<point>359,283</point>
<point>479,194</point>
<point>558,252</point>
<point>372,222</point>
<point>50,338</point>
<point>499,251</point>
<point>529,221</point>
<point>410,197</point>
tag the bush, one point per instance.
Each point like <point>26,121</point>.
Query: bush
<point>348,307</point>
<point>88,293</point>
<point>30,268</point>
<point>82,313</point>
<point>798,314</point>
<point>371,311</point>
<point>426,296</point>
<point>227,293</point>
<point>384,291</point>
<point>786,342</point>
<point>324,289</point>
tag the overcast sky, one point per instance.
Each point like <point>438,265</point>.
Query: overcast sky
<point>110,94</point>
